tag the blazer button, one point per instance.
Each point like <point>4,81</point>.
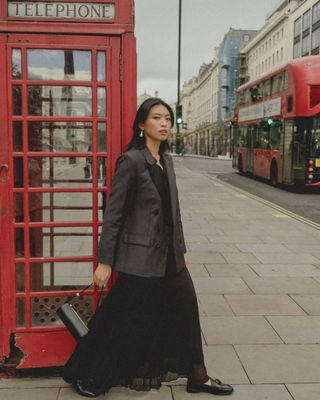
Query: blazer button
<point>155,212</point>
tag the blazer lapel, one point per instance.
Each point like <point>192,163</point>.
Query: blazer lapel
<point>148,156</point>
<point>172,186</point>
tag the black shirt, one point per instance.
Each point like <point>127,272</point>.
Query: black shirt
<point>160,179</point>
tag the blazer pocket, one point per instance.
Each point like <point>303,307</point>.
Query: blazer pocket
<point>137,238</point>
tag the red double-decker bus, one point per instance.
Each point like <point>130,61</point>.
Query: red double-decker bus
<point>277,125</point>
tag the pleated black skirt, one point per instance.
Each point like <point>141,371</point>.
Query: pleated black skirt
<point>146,332</point>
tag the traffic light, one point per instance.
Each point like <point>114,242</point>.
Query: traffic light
<point>179,114</point>
<point>270,121</point>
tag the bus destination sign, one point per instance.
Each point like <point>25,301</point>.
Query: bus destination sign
<point>55,10</point>
<point>265,109</point>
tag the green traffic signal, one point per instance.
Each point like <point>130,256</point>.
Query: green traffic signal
<point>179,118</point>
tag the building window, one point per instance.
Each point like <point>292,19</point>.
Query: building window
<point>281,54</point>
<point>297,50</point>
<point>297,27</point>
<point>305,46</point>
<point>277,37</point>
<point>315,42</point>
<point>273,58</point>
<point>306,20</point>
<point>246,38</point>
<point>281,33</point>
<point>316,13</point>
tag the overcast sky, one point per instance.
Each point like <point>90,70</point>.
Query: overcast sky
<point>204,23</point>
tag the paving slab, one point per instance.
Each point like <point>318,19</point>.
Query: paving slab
<point>263,248</point>
<point>297,329</point>
<point>281,363</point>
<point>304,248</point>
<point>263,305</point>
<point>288,239</point>
<point>213,305</point>
<point>310,303</point>
<point>305,391</point>
<point>198,271</point>
<point>29,394</point>
<point>206,257</point>
<point>232,270</point>
<point>241,392</point>
<point>283,285</point>
<point>236,239</point>
<point>195,238</point>
<point>238,330</point>
<point>276,258</point>
<point>286,270</point>
<point>240,258</point>
<point>27,383</point>
<point>220,285</point>
<point>216,247</point>
<point>121,393</point>
<point>222,362</point>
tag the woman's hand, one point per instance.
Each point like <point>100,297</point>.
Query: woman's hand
<point>186,261</point>
<point>102,275</point>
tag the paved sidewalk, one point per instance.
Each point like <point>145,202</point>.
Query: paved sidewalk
<point>257,276</point>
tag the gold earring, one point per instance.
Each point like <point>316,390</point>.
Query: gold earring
<point>141,133</point>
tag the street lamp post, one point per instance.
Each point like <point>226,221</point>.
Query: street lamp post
<point>178,137</point>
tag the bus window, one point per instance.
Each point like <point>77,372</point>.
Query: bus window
<point>266,88</point>
<point>242,136</point>
<point>264,135</point>
<point>256,133</point>
<point>315,142</point>
<point>247,96</point>
<point>278,83</point>
<point>241,98</point>
<point>275,135</point>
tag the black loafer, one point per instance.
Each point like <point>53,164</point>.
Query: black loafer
<point>216,387</point>
<point>85,391</point>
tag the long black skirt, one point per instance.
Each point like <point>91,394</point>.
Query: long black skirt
<point>146,332</point>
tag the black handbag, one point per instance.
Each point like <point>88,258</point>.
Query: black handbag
<point>71,319</point>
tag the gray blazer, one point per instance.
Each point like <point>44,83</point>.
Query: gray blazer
<point>133,238</point>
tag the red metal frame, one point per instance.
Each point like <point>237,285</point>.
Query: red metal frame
<point>302,74</point>
<point>5,246</point>
<point>51,345</point>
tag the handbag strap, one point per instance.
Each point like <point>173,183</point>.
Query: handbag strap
<point>82,291</point>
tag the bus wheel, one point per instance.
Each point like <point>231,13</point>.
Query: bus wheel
<point>274,174</point>
<point>240,165</point>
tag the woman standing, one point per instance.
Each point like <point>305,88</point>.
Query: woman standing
<point>148,330</point>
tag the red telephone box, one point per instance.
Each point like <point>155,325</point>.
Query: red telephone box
<point>67,102</point>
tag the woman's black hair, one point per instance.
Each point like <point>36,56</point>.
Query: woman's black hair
<point>138,142</point>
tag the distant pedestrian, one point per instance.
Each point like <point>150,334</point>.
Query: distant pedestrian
<point>147,331</point>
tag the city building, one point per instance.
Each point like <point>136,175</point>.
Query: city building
<point>196,99</point>
<point>292,30</point>
<point>144,96</point>
<point>305,29</point>
<point>229,69</point>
